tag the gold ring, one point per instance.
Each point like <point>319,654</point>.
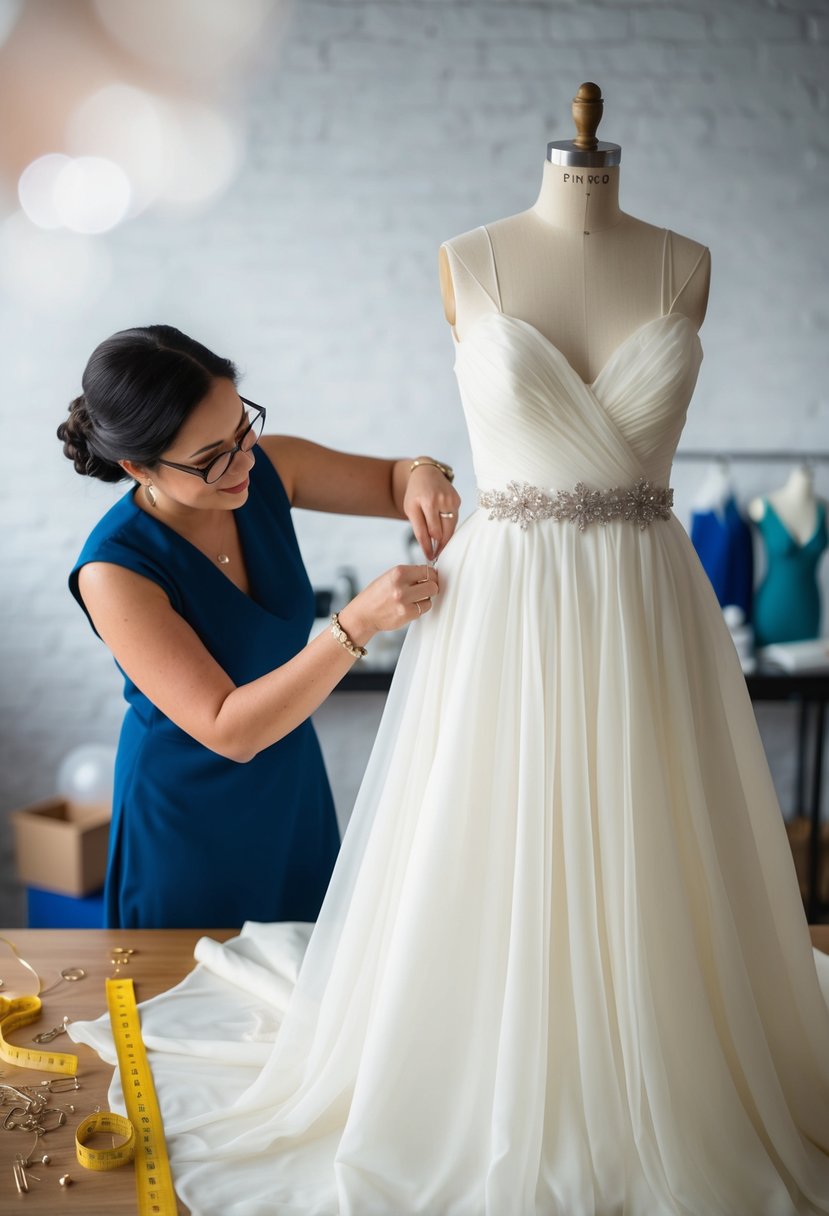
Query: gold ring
<point>418,607</point>
<point>446,514</point>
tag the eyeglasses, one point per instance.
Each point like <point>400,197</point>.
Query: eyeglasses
<point>253,424</point>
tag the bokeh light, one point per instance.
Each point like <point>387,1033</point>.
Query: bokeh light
<point>203,152</point>
<point>87,194</point>
<point>177,153</point>
<point>191,38</point>
<point>36,189</point>
<point>125,125</point>
<point>92,194</point>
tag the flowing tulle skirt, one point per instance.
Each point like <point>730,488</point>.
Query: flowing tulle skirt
<point>563,967</point>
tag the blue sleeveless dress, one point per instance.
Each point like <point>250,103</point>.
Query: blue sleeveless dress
<point>787,603</point>
<point>198,840</point>
<point>725,547</point>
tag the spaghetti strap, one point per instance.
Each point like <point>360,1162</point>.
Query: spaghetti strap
<point>495,280</point>
<point>675,298</point>
<point>667,273</point>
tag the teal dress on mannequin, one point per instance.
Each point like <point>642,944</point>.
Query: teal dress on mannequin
<point>198,840</point>
<point>787,602</point>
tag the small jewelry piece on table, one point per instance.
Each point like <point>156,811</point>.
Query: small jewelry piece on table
<point>357,652</point>
<point>19,1177</point>
<point>446,469</point>
<point>46,1036</point>
<point>70,974</point>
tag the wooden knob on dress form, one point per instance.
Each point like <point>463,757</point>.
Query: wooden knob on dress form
<point>587,114</point>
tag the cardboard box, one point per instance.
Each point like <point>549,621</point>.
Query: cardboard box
<point>62,845</point>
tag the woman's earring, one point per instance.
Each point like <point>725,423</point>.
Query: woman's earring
<point>150,492</point>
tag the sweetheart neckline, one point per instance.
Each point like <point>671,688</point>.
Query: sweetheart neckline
<point>589,384</point>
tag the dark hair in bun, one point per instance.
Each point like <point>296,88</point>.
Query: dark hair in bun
<point>139,387</point>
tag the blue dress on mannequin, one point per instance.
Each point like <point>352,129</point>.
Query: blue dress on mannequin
<point>723,542</point>
<point>787,602</point>
<point>198,840</point>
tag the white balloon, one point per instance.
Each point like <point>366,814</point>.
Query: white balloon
<point>86,774</point>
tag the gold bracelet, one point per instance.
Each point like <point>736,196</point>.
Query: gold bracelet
<point>446,469</point>
<point>357,652</point>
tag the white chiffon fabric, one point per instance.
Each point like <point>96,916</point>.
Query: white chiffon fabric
<point>563,967</point>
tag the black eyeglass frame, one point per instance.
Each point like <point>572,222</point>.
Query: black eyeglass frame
<point>231,452</point>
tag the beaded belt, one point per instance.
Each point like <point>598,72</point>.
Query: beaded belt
<point>523,504</point>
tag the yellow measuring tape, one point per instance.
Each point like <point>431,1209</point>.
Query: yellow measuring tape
<point>153,1181</point>
<point>20,1011</point>
<point>104,1158</point>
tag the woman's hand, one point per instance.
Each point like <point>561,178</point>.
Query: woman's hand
<point>396,597</point>
<point>431,505</point>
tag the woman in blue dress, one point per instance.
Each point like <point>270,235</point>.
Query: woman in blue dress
<point>222,810</point>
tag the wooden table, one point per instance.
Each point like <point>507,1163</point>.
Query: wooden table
<point>162,958</point>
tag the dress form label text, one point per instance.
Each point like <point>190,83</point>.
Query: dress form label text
<point>590,179</point>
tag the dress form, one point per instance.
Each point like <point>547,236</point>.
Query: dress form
<point>792,524</point>
<point>723,541</point>
<point>574,265</point>
<point>795,503</point>
<point>716,488</point>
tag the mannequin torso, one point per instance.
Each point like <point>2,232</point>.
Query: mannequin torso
<point>792,524</point>
<point>576,268</point>
<point>715,491</point>
<point>795,503</point>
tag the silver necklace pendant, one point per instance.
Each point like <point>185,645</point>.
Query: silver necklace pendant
<point>223,559</point>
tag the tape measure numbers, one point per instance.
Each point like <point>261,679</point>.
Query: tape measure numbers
<point>153,1180</point>
<point>20,1011</point>
<point>104,1158</point>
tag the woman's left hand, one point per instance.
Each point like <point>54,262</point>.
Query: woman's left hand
<point>431,505</point>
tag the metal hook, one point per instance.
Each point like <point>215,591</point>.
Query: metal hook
<point>27,1160</point>
<point>32,1102</point>
<point>11,1122</point>
<point>52,1110</point>
<point>46,1036</point>
<point>60,1085</point>
<point>17,1094</point>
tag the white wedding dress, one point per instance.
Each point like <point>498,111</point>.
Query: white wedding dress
<point>563,967</point>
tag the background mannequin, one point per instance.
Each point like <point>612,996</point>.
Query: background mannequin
<point>795,503</point>
<point>792,523</point>
<point>575,266</point>
<point>722,539</point>
<point>715,489</point>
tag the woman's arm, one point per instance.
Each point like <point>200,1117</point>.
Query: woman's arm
<point>321,479</point>
<point>166,659</point>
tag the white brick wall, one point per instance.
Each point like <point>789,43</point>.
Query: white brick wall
<point>376,131</point>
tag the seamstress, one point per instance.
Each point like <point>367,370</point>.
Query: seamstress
<point>222,810</point>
